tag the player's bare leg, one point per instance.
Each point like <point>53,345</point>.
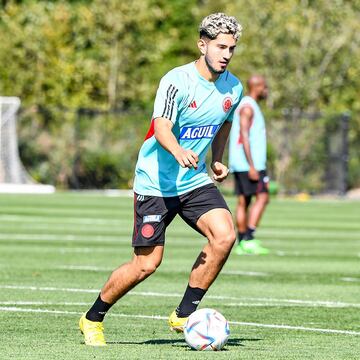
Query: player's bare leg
<point>143,264</point>
<point>248,243</point>
<point>257,209</point>
<point>123,279</point>
<point>241,215</point>
<point>217,225</point>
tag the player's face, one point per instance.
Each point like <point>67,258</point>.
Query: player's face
<point>263,90</point>
<point>218,52</point>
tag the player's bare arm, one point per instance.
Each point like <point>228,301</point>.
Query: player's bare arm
<point>220,170</point>
<point>166,138</point>
<point>246,117</point>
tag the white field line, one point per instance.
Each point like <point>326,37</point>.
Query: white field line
<point>87,250</point>
<point>114,239</point>
<point>62,250</point>
<point>245,273</point>
<point>289,327</point>
<point>43,303</point>
<point>272,304</point>
<point>334,304</point>
<point>64,227</point>
<point>48,288</point>
<point>66,303</point>
<point>105,220</point>
<point>275,236</point>
<point>118,239</point>
<point>83,268</point>
<point>121,240</point>
<point>45,225</point>
<point>350,279</point>
<point>158,317</point>
<point>63,220</point>
<point>62,237</point>
<point>100,268</point>
<point>60,222</point>
<point>273,230</point>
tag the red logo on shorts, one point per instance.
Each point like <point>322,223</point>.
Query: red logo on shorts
<point>147,231</point>
<point>227,104</point>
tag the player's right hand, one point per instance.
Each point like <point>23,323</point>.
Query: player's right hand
<point>253,174</point>
<point>186,158</point>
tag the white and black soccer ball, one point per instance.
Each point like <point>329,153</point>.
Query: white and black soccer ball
<point>206,329</point>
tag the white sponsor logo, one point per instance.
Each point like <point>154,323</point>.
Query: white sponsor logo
<point>140,198</point>
<point>198,132</point>
<point>151,218</point>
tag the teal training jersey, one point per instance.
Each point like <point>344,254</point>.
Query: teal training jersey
<point>197,108</point>
<point>257,138</point>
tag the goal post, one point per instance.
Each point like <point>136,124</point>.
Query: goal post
<point>13,176</point>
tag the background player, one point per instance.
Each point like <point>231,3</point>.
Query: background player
<point>247,160</point>
<point>193,110</point>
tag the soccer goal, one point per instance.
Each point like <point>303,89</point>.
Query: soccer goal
<point>13,176</point>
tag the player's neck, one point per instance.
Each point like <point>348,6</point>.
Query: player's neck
<point>254,96</point>
<point>204,70</point>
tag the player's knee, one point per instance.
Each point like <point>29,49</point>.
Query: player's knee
<point>225,240</point>
<point>247,201</point>
<point>266,199</point>
<point>147,270</point>
<point>263,199</point>
<point>242,202</point>
<point>146,267</point>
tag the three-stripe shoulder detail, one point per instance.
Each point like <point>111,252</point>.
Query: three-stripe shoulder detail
<point>169,101</point>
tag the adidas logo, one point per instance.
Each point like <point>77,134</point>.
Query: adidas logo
<point>193,105</point>
<point>196,302</point>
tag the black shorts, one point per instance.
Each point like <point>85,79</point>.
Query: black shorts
<point>245,186</point>
<point>152,214</point>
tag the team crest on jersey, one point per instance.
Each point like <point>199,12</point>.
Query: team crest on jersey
<point>147,231</point>
<point>227,104</point>
<point>198,132</point>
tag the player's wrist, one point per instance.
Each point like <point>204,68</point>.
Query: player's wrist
<point>176,151</point>
<point>214,162</point>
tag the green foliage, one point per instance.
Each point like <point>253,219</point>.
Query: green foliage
<point>60,56</point>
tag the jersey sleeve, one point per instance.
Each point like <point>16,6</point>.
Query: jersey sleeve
<point>168,97</point>
<point>232,112</point>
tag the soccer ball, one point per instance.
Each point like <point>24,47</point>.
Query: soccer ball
<point>206,329</point>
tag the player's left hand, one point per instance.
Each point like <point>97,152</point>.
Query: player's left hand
<point>220,171</point>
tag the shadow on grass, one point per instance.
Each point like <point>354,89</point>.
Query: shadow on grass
<point>181,342</point>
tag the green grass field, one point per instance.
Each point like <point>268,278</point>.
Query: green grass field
<point>300,302</point>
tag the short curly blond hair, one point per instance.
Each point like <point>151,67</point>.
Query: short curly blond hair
<point>214,24</point>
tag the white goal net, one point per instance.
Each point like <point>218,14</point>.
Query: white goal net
<point>13,176</point>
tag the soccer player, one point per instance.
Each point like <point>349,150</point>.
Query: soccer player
<point>247,161</point>
<point>193,110</point>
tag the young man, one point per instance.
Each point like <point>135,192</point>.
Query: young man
<point>247,160</point>
<point>193,110</point>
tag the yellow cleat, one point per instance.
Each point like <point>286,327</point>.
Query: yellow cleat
<point>176,323</point>
<point>93,332</point>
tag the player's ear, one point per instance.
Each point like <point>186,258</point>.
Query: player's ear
<point>202,45</point>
